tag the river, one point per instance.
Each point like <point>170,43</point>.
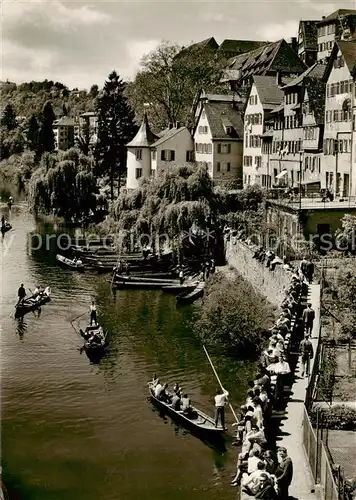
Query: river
<point>73,429</point>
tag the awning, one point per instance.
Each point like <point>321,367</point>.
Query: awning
<point>281,174</point>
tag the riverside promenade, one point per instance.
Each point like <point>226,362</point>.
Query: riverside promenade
<point>302,487</point>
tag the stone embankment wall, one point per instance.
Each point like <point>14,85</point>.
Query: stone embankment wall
<point>269,283</point>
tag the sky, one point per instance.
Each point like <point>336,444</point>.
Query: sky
<point>79,42</point>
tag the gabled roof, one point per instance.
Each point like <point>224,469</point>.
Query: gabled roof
<point>209,43</point>
<point>235,47</point>
<point>335,15</point>
<point>64,121</point>
<point>276,56</point>
<point>168,134</point>
<point>144,137</point>
<point>316,71</point>
<point>219,114</point>
<point>309,30</point>
<point>269,93</point>
<point>348,50</point>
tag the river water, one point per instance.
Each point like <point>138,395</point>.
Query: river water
<point>74,429</point>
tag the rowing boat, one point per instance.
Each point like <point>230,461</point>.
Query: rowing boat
<point>188,298</point>
<point>32,303</point>
<point>178,289</point>
<point>73,264</point>
<point>98,342</point>
<point>198,420</point>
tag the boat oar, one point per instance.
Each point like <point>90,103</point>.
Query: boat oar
<point>217,378</point>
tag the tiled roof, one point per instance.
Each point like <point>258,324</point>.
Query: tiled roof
<point>278,108</point>
<point>144,137</point>
<point>167,135</point>
<point>348,50</point>
<point>276,56</point>
<point>220,113</point>
<point>310,34</point>
<point>316,71</point>
<point>269,92</point>
<point>240,46</point>
<point>64,121</point>
<point>335,15</point>
<point>209,43</point>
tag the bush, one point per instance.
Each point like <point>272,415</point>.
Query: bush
<point>233,316</point>
<point>338,417</point>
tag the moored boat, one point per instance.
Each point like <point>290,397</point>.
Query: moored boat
<point>32,303</point>
<point>76,264</point>
<point>196,420</point>
<point>179,289</point>
<point>190,297</point>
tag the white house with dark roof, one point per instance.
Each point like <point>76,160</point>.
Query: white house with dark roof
<point>265,95</point>
<point>64,130</point>
<point>218,138</point>
<point>337,170</point>
<point>339,25</point>
<point>148,154</point>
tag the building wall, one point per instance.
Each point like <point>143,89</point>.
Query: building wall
<point>312,138</point>
<point>221,172</point>
<point>335,169</point>
<point>353,159</point>
<point>252,174</point>
<point>326,39</point>
<point>180,143</point>
<point>134,164</point>
<point>63,137</point>
<point>206,139</point>
<point>269,283</point>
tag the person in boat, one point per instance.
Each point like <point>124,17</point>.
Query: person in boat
<point>176,402</point>
<point>93,318</point>
<point>181,276</point>
<point>21,293</point>
<point>79,262</point>
<point>220,401</point>
<point>186,407</point>
<point>164,396</point>
<point>153,382</point>
<point>75,260</point>
<point>177,390</point>
<point>127,268</point>
<point>158,389</point>
<point>36,291</point>
<point>3,220</point>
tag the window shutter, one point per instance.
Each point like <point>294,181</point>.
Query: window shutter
<point>162,155</point>
<point>229,148</point>
<point>173,155</point>
<point>219,148</point>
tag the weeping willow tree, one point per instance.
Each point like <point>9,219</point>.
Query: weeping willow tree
<point>63,185</point>
<point>175,208</point>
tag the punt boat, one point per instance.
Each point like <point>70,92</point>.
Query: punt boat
<point>190,297</point>
<point>71,263</point>
<point>32,303</point>
<point>98,342</point>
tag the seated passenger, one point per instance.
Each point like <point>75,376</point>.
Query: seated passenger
<point>177,390</point>
<point>158,389</point>
<point>176,402</point>
<point>185,403</point>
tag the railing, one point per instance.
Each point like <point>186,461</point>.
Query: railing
<point>314,200</point>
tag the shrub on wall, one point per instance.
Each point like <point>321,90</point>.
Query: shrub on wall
<point>338,417</point>
<point>233,316</point>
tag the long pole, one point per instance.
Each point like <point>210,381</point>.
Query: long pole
<point>217,378</point>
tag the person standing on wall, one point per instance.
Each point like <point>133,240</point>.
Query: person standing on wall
<point>306,354</point>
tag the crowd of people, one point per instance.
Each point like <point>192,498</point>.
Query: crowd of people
<point>265,471</point>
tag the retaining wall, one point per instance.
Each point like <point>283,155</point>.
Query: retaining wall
<point>270,283</point>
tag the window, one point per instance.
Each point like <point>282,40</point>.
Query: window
<point>218,167</point>
<point>189,156</point>
<point>203,114</point>
<point>219,148</point>
<point>168,155</point>
<point>138,173</point>
<point>154,154</point>
<point>138,154</point>
<point>228,167</point>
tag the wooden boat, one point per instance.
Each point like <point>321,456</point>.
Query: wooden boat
<point>150,285</point>
<point>142,279</point>
<point>6,227</point>
<point>32,303</point>
<point>99,341</point>
<point>199,421</point>
<point>73,264</point>
<point>179,289</point>
<point>189,298</point>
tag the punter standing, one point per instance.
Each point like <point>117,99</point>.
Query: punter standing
<point>220,401</point>
<point>21,293</point>
<point>93,313</point>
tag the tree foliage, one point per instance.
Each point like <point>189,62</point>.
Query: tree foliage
<point>32,133</point>
<point>8,118</point>
<point>45,134</point>
<point>64,184</point>
<point>170,80</point>
<point>116,127</point>
<point>233,316</point>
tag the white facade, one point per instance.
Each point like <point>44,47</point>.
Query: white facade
<point>177,149</point>
<point>336,165</point>
<point>326,39</point>
<point>222,156</point>
<point>138,165</point>
<point>252,147</point>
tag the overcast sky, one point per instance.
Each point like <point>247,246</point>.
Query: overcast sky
<point>79,43</point>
